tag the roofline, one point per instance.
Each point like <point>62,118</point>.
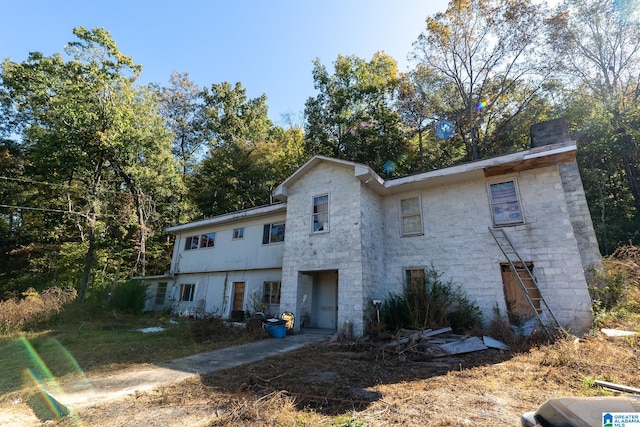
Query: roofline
<point>363,172</point>
<point>230,217</point>
<point>560,151</point>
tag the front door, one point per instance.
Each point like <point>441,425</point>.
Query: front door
<point>325,300</point>
<point>237,306</point>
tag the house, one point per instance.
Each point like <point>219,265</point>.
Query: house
<point>341,237</point>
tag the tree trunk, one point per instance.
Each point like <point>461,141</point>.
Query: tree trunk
<point>91,231</point>
<point>630,163</point>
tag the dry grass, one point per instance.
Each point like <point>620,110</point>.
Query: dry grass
<point>32,308</point>
<point>357,384</point>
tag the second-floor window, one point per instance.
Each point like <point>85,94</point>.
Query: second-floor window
<point>320,213</point>
<point>505,204</point>
<point>238,233</point>
<point>273,233</point>
<point>411,216</point>
<point>207,240</point>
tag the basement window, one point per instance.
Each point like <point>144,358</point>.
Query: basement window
<point>505,203</point>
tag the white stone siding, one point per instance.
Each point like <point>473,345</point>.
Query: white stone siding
<point>373,246</point>
<point>580,216</point>
<point>457,243</point>
<point>339,249</point>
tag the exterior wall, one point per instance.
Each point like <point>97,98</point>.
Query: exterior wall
<point>339,249</point>
<point>457,243</point>
<point>580,216</point>
<point>247,253</point>
<point>216,288</point>
<point>373,247</point>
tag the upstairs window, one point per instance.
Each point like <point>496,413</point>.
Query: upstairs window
<point>505,204</point>
<point>207,240</point>
<point>320,214</point>
<point>238,233</point>
<point>192,242</point>
<point>411,216</point>
<point>273,233</point>
<point>201,241</point>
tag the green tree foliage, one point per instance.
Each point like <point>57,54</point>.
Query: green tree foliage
<point>248,156</point>
<point>352,117</point>
<point>96,142</point>
<point>487,49</point>
<point>597,46</point>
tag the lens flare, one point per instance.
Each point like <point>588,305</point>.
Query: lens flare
<point>389,167</point>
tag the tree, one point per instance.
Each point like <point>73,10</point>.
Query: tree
<point>597,47</point>
<point>86,127</point>
<point>488,50</point>
<point>181,107</point>
<point>248,155</point>
<point>353,117</point>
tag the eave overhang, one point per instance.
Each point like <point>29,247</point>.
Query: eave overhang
<point>229,218</point>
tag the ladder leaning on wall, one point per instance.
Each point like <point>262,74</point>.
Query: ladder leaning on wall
<point>527,283</point>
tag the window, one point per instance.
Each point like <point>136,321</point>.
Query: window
<point>320,213</point>
<point>202,241</point>
<point>414,276</point>
<point>191,243</point>
<point>271,293</point>
<point>207,240</point>
<point>238,233</point>
<point>187,291</point>
<point>411,216</point>
<point>505,205</point>
<point>273,233</point>
<point>161,293</point>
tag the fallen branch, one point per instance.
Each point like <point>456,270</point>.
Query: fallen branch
<point>617,387</point>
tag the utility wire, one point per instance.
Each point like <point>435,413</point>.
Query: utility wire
<point>52,210</point>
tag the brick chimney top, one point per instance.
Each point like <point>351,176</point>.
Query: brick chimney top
<point>549,132</point>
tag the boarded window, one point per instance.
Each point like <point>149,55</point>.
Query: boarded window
<point>519,309</point>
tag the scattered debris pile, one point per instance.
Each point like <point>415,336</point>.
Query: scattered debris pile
<point>430,344</point>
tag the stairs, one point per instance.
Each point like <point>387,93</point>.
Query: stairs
<point>527,282</point>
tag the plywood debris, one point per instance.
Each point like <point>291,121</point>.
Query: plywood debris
<point>438,343</point>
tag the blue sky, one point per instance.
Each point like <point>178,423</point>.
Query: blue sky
<point>266,45</point>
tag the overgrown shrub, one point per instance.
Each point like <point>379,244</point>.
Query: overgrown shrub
<point>615,288</point>
<point>129,297</point>
<point>431,303</point>
<point>33,308</point>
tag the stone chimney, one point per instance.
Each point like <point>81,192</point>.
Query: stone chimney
<point>549,132</point>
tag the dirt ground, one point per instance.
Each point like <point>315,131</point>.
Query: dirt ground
<point>367,384</point>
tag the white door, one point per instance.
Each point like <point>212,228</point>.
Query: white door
<point>325,300</point>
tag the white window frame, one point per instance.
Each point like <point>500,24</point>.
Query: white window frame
<point>514,200</point>
<point>207,237</point>
<point>238,233</point>
<point>161,296</point>
<point>269,285</point>
<point>190,293</point>
<point>270,233</point>
<point>402,215</point>
<point>316,216</point>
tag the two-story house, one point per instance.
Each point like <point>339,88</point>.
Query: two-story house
<point>342,237</point>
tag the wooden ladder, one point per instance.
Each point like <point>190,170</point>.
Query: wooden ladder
<point>528,283</point>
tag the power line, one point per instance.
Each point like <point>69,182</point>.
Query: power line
<point>53,210</point>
